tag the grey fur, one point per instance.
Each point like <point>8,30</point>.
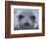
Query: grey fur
<point>19,24</point>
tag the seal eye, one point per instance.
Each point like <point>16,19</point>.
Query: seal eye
<point>33,17</point>
<point>21,16</point>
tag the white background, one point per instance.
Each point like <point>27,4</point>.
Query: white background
<point>2,20</point>
<point>25,31</point>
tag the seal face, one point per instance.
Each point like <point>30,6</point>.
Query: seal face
<point>25,19</point>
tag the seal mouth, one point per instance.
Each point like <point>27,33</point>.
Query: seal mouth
<point>26,27</point>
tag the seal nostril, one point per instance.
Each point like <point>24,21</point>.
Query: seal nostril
<point>27,24</point>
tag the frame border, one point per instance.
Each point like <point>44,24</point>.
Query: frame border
<point>8,20</point>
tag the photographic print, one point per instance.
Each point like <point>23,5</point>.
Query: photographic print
<point>24,19</point>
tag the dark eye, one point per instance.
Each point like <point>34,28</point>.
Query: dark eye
<point>21,16</point>
<point>33,17</point>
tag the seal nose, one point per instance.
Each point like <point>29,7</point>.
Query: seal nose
<point>27,24</point>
